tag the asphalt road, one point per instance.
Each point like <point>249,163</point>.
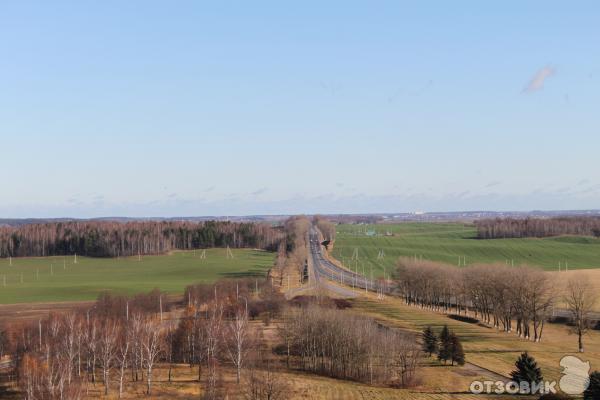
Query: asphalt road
<point>323,268</point>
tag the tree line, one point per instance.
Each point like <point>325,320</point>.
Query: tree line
<point>537,227</point>
<point>327,228</point>
<point>114,239</point>
<point>519,299</point>
<point>60,355</point>
<point>344,345</point>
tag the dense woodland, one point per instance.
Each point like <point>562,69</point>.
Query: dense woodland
<point>113,239</point>
<point>537,227</point>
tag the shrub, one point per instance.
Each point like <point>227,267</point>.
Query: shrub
<point>593,390</point>
<point>526,370</point>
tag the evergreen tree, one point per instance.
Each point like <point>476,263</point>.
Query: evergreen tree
<point>457,355</point>
<point>527,370</point>
<point>430,341</point>
<point>593,390</point>
<point>444,352</point>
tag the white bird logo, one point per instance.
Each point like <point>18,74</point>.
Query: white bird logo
<point>576,378</point>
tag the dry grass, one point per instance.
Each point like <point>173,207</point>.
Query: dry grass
<point>589,275</point>
<point>301,386</point>
<point>487,347</point>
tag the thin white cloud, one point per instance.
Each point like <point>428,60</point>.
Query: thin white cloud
<point>493,183</point>
<point>537,81</point>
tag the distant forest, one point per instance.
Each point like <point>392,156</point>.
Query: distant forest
<point>537,227</point>
<point>113,239</point>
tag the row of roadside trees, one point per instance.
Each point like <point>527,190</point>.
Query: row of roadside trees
<point>519,299</point>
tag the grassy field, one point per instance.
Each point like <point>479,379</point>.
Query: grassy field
<point>50,279</point>
<point>486,347</point>
<point>446,242</point>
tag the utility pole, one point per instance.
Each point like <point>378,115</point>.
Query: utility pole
<point>160,306</point>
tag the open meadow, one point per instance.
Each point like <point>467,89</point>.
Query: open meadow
<point>54,279</point>
<point>449,242</point>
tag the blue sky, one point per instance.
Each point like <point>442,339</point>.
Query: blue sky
<point>228,108</point>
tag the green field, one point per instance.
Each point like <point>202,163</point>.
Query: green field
<point>446,242</point>
<point>60,279</point>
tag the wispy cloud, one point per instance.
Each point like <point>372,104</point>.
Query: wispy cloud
<point>493,183</point>
<point>537,81</point>
<point>259,191</point>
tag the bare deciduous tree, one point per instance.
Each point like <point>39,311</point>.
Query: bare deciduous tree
<point>150,339</point>
<point>580,298</point>
<point>237,339</point>
<point>265,385</point>
<point>123,349</point>
<point>107,349</point>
